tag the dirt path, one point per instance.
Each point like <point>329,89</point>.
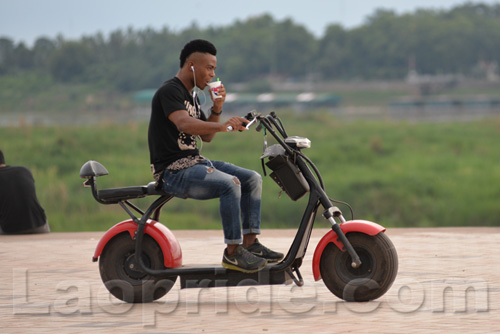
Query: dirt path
<point>448,282</point>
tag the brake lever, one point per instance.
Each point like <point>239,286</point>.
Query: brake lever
<point>250,123</point>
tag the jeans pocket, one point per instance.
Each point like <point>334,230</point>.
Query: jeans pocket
<point>172,184</point>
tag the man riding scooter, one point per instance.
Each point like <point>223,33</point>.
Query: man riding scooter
<point>179,168</point>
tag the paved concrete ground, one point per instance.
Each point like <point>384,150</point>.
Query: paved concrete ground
<point>448,282</point>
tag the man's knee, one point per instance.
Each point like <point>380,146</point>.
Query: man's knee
<point>233,185</point>
<point>256,179</point>
<point>236,181</point>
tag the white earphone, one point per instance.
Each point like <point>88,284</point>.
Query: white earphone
<point>192,68</point>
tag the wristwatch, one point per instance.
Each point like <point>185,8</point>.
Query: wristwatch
<point>215,113</point>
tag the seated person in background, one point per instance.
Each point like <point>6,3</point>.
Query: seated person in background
<point>20,211</point>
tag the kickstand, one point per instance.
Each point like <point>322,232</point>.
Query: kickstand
<point>297,280</point>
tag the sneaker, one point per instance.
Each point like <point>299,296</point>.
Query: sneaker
<point>242,260</point>
<point>262,251</point>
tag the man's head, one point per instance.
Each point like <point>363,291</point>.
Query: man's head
<point>198,61</point>
<point>197,45</point>
<point>2,159</point>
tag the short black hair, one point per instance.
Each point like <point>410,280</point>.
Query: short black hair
<point>197,45</point>
<point>2,158</point>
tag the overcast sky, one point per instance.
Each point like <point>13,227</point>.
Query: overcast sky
<point>26,20</point>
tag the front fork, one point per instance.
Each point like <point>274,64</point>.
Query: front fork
<point>330,214</point>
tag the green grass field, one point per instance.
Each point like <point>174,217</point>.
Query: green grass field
<point>395,173</point>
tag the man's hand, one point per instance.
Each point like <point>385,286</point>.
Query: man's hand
<point>220,101</point>
<point>237,123</point>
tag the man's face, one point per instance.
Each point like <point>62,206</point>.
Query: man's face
<point>204,65</point>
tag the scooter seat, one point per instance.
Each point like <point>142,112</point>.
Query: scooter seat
<point>120,194</point>
<point>153,191</point>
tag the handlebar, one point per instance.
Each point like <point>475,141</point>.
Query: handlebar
<point>251,117</point>
<point>270,124</point>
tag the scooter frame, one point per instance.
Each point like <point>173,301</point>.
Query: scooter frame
<point>215,275</point>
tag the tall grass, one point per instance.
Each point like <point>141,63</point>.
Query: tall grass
<point>396,173</point>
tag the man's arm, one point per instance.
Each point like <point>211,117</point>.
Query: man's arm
<point>206,130</point>
<point>214,118</point>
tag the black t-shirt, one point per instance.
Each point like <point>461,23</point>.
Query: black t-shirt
<point>19,206</point>
<point>166,143</point>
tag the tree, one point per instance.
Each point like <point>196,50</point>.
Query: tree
<point>6,55</point>
<point>246,50</point>
<point>259,47</point>
<point>332,53</point>
<point>70,61</point>
<point>295,48</point>
<point>43,50</point>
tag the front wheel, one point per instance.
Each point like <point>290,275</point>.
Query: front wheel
<point>372,279</point>
<point>121,277</point>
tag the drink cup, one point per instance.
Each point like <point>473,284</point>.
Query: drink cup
<point>214,87</point>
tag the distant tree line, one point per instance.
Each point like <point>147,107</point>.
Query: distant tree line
<point>384,47</point>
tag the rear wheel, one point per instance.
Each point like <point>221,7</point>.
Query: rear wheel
<point>372,279</point>
<point>121,276</point>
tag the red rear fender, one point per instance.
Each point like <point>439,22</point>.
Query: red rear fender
<point>169,245</point>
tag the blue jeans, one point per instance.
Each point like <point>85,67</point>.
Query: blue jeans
<point>239,190</point>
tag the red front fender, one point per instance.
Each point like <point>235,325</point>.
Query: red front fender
<point>172,254</point>
<point>362,226</point>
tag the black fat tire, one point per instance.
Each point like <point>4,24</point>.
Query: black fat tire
<point>130,285</point>
<point>368,282</point>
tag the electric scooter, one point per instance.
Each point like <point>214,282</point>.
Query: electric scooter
<point>140,259</point>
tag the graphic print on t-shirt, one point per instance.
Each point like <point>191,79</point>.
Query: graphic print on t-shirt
<point>185,141</point>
